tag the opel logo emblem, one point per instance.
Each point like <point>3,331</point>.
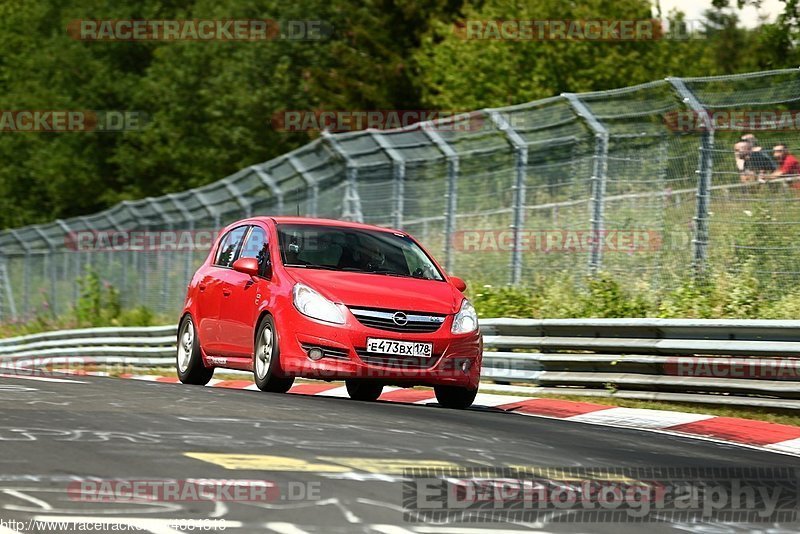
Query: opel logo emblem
<point>400,318</point>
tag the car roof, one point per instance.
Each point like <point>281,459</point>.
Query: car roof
<point>326,222</point>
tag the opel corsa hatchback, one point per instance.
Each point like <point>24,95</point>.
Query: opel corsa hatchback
<point>288,297</point>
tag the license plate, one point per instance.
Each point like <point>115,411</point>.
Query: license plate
<point>400,348</point>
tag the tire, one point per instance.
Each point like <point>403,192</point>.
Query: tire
<point>363,390</point>
<point>455,397</point>
<point>189,360</point>
<point>266,359</point>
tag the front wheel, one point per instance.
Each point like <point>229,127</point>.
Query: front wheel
<point>189,361</point>
<point>455,397</point>
<point>363,390</point>
<point>266,359</point>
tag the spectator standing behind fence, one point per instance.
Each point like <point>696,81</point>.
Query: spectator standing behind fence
<point>752,161</point>
<point>789,167</point>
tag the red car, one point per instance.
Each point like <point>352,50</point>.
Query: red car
<point>288,297</point>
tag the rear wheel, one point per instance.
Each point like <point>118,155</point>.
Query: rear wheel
<point>363,390</point>
<point>266,359</point>
<point>189,361</point>
<point>455,397</point>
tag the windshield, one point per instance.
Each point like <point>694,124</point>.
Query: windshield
<point>352,249</point>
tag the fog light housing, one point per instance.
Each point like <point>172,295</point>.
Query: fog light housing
<point>315,354</point>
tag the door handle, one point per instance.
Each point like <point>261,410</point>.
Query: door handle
<point>226,292</point>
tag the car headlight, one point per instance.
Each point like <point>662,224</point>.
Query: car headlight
<point>466,320</point>
<point>310,303</point>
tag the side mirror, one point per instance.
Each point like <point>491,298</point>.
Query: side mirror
<point>459,284</point>
<point>246,266</point>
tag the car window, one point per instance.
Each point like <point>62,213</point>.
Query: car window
<point>229,246</point>
<point>257,247</point>
<point>343,248</point>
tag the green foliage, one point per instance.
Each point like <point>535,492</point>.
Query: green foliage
<point>503,301</point>
<point>722,296</point>
<point>606,297</point>
<point>210,103</point>
<point>139,316</point>
<point>98,303</point>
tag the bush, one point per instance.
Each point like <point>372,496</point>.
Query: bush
<point>718,296</point>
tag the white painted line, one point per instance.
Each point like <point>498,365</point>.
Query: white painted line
<point>391,529</point>
<point>465,530</point>
<point>43,379</point>
<point>25,497</point>
<point>490,400</point>
<point>251,387</point>
<point>790,446</point>
<point>340,392</point>
<point>639,418</point>
<point>285,528</point>
<point>146,378</point>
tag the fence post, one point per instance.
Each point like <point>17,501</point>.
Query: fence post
<point>599,178</point>
<point>521,165</point>
<point>298,166</point>
<point>246,205</point>
<point>351,204</point>
<point>52,267</point>
<point>398,176</point>
<point>451,197</point>
<point>704,171</point>
<point>7,305</point>
<point>270,182</point>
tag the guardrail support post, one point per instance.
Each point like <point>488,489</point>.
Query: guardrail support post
<point>521,165</point>
<point>704,170</point>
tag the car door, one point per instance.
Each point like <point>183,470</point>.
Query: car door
<point>238,313</point>
<point>213,288</point>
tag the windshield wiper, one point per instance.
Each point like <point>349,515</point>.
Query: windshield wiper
<point>355,270</point>
<point>392,273</point>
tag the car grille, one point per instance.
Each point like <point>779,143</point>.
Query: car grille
<point>399,362</point>
<point>415,322</point>
<point>329,352</point>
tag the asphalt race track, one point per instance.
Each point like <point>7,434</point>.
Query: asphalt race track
<point>337,464</point>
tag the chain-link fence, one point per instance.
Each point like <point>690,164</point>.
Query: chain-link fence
<point>633,181</point>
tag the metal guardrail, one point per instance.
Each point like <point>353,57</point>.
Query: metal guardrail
<point>739,362</point>
<point>742,362</point>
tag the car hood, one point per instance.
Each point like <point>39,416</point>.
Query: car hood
<point>381,291</point>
